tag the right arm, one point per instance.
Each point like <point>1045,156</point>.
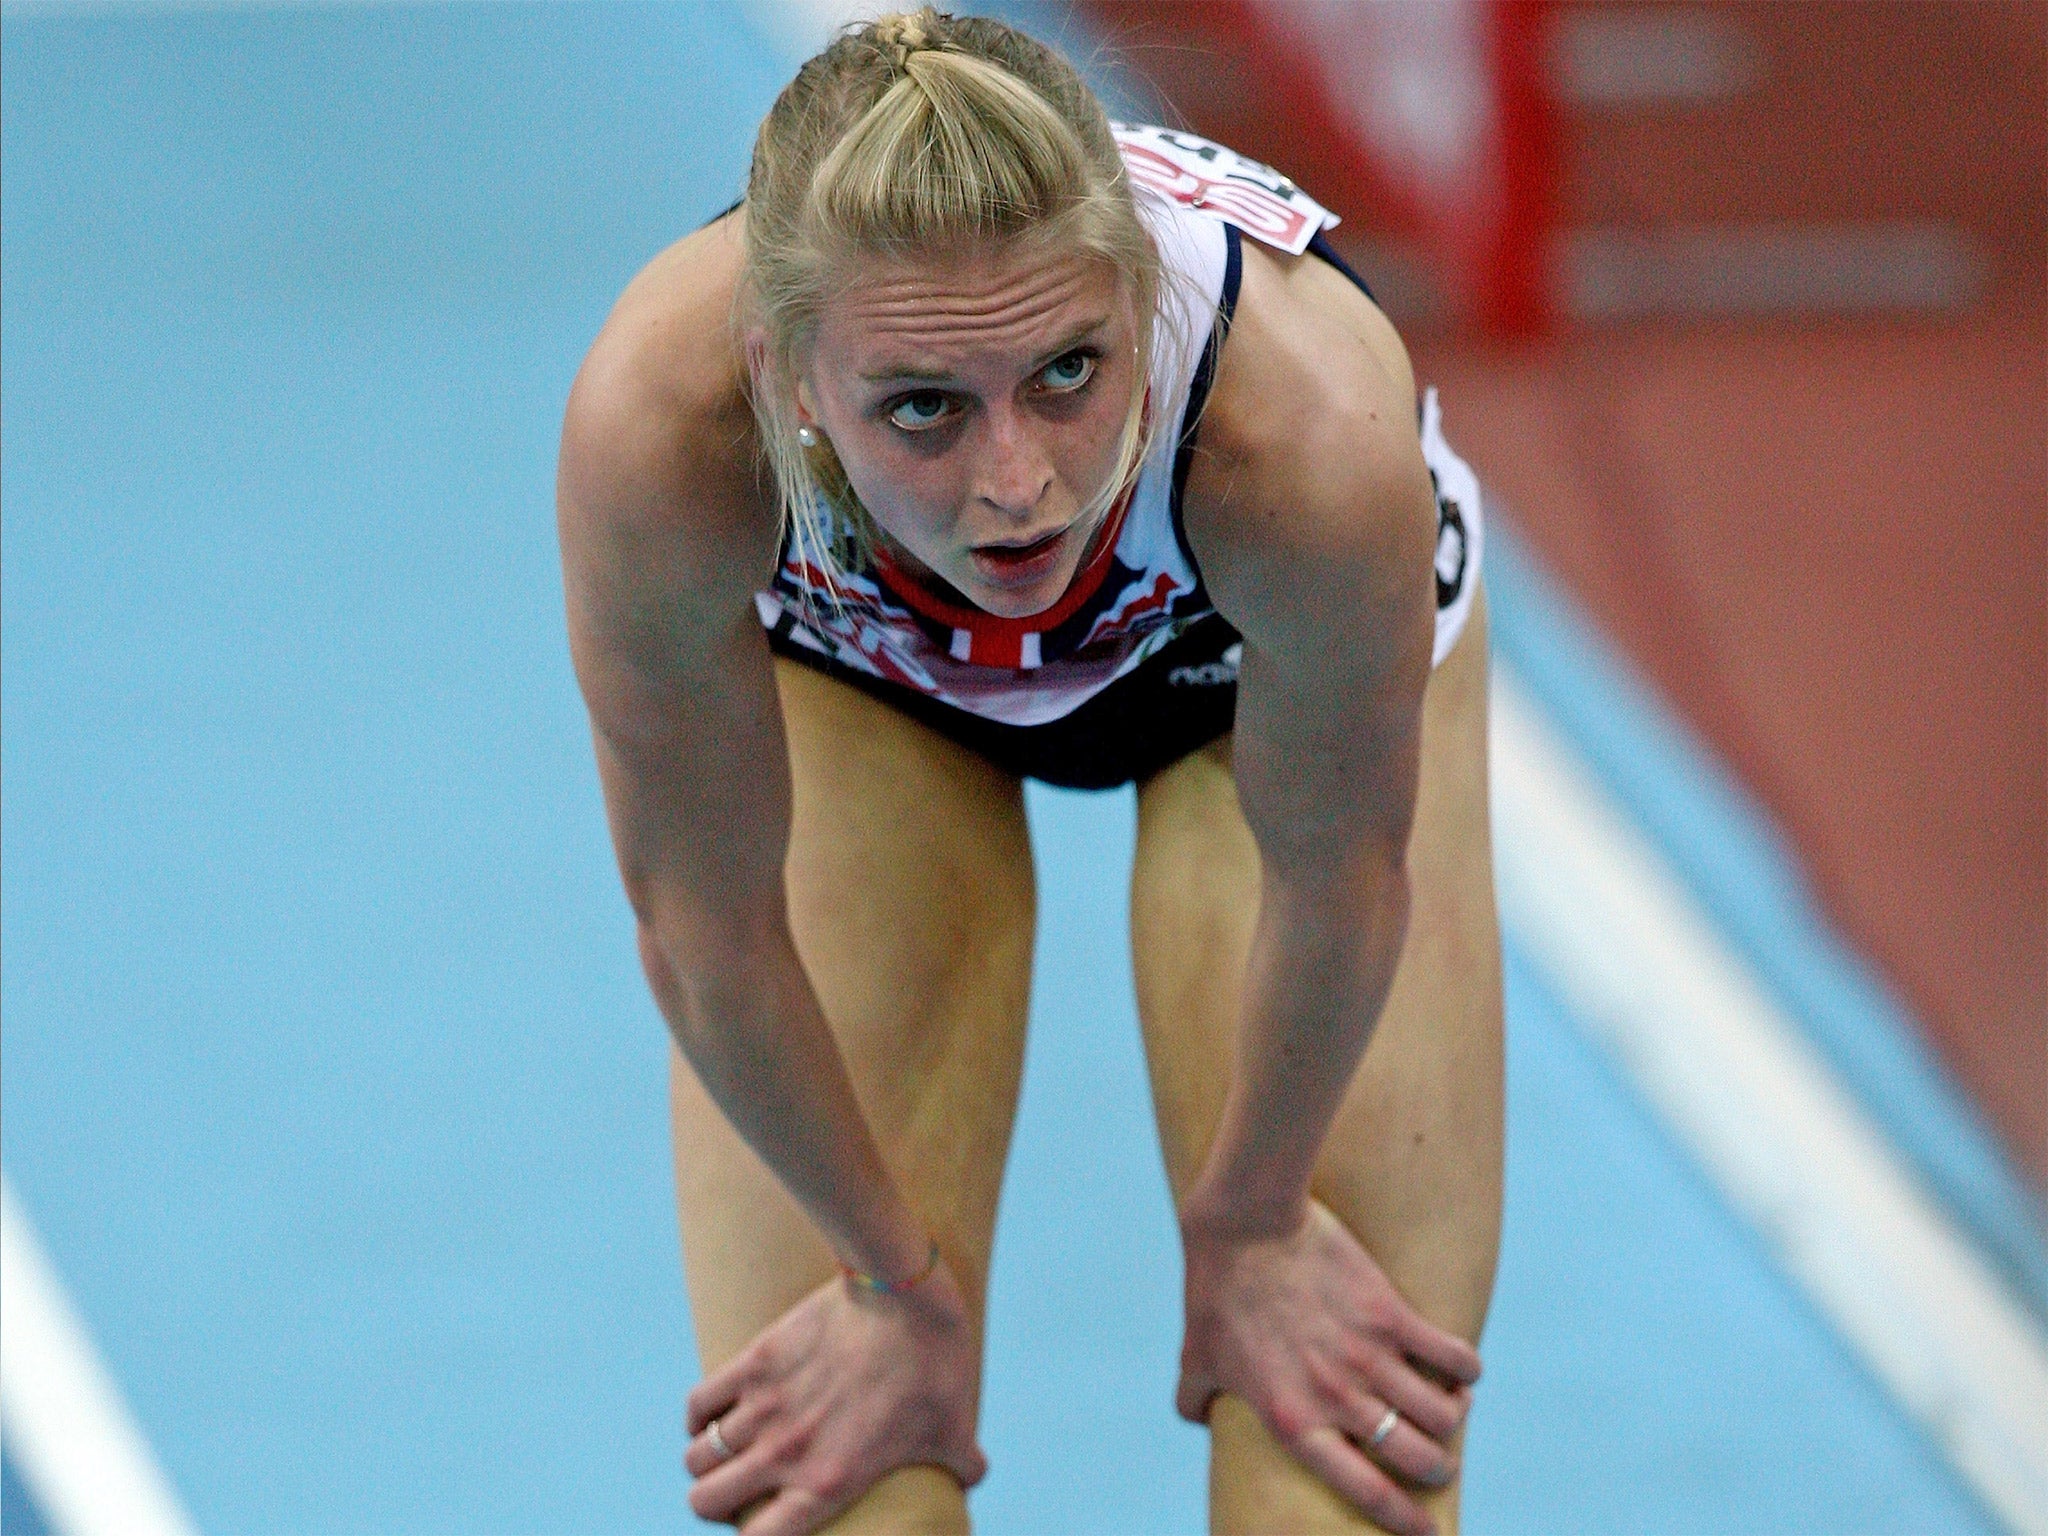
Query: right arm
<point>666,531</point>
<point>667,528</point>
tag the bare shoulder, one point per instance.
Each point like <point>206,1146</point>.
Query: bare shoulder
<point>1308,470</point>
<point>666,519</point>
<point>658,438</point>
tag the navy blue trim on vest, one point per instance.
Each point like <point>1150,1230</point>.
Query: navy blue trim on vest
<point>1198,396</point>
<point>1319,245</point>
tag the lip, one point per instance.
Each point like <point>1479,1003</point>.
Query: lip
<point>1019,565</point>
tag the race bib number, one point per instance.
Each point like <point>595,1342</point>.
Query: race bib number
<point>1223,184</point>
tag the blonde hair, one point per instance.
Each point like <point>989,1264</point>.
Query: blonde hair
<point>916,133</point>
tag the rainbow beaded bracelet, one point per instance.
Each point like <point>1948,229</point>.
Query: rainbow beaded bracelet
<point>875,1287</point>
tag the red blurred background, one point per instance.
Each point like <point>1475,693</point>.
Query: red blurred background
<point>1742,312</point>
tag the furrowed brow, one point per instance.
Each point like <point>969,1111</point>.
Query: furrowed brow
<point>892,373</point>
<point>1082,334</point>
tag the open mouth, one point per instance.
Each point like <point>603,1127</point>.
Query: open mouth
<point>1016,564</point>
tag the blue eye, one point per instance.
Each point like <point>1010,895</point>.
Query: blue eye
<point>1069,372</point>
<point>926,408</point>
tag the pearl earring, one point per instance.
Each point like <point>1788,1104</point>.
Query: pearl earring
<point>807,437</point>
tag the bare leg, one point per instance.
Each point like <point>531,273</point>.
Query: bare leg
<point>911,900</point>
<point>1413,1160</point>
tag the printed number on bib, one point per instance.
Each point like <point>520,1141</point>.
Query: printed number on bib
<point>1223,184</point>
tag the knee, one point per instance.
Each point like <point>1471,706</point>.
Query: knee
<point>1258,1488</point>
<point>911,1501</point>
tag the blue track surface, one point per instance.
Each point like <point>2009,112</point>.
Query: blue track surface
<point>20,1515</point>
<point>330,1076</point>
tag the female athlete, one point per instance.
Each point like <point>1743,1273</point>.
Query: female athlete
<point>989,440</point>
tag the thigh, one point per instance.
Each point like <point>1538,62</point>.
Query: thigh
<point>1413,1158</point>
<point>911,903</point>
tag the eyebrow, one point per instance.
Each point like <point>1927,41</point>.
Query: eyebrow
<point>909,375</point>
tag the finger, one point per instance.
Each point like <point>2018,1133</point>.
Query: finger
<point>739,1427</point>
<point>717,1392</point>
<point>727,1489</point>
<point>1404,1450</point>
<point>1445,1353</point>
<point>1191,1399</point>
<point>1345,1468</point>
<point>970,1467</point>
<point>1420,1399</point>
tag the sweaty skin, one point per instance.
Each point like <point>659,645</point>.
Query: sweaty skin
<point>850,1030</point>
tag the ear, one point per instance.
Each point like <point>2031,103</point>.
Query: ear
<point>762,368</point>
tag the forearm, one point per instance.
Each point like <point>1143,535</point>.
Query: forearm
<point>746,1018</point>
<point>1321,964</point>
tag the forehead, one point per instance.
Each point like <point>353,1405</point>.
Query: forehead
<point>929,314</point>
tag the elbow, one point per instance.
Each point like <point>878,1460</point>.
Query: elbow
<point>709,963</point>
<point>683,940</point>
<point>683,1002</point>
<point>1364,886</point>
<point>654,961</point>
<point>670,996</point>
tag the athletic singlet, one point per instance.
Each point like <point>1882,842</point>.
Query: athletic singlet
<point>1142,589</point>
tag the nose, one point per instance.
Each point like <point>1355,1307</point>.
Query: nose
<point>1015,471</point>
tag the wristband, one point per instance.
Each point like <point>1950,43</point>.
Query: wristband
<point>875,1287</point>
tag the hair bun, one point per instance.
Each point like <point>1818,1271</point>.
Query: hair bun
<point>901,34</point>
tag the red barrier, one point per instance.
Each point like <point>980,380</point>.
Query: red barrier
<point>1423,123</point>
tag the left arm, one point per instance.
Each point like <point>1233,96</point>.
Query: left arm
<point>1315,525</point>
<point>1313,518</point>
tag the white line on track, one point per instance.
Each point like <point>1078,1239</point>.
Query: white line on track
<point>1605,919</point>
<point>65,1424</point>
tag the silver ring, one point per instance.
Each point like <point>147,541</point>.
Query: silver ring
<point>711,1433</point>
<point>1386,1428</point>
